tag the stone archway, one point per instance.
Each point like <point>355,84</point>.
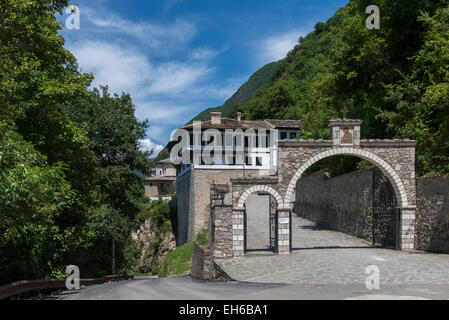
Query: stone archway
<point>265,216</point>
<point>259,188</point>
<point>242,188</point>
<point>394,178</point>
<point>396,158</point>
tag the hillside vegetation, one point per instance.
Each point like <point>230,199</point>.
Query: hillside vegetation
<point>256,82</point>
<point>395,79</point>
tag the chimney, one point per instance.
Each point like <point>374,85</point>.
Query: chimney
<point>239,116</point>
<point>215,117</point>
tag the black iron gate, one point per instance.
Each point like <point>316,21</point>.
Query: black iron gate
<point>290,235</point>
<point>385,214</point>
<point>245,231</point>
<point>273,225</point>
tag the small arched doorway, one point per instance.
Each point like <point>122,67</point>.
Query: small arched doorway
<point>260,205</point>
<point>260,222</point>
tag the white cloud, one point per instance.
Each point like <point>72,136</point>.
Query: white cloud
<point>148,145</point>
<point>169,4</point>
<point>164,111</point>
<point>119,68</point>
<point>175,78</point>
<point>276,47</point>
<point>204,53</point>
<point>128,70</point>
<point>157,36</point>
<point>169,78</point>
<point>159,132</point>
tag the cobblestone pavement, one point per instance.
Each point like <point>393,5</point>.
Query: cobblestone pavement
<point>324,257</point>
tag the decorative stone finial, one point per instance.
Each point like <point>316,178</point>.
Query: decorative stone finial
<point>345,132</point>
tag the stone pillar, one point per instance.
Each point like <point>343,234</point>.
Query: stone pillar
<point>407,228</point>
<point>238,232</point>
<point>283,231</point>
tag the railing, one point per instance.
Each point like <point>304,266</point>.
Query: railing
<point>24,286</point>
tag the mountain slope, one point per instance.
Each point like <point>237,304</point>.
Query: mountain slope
<point>255,83</point>
<point>396,78</point>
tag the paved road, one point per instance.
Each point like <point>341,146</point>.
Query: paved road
<point>186,288</point>
<point>324,257</point>
<point>324,265</point>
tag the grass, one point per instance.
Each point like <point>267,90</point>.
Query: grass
<point>178,262</point>
<point>201,237</point>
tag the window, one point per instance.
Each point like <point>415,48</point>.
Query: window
<point>283,135</point>
<point>293,135</point>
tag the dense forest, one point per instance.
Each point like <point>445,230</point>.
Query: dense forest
<point>396,79</point>
<point>70,166</point>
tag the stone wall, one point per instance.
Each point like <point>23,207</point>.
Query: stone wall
<point>222,231</point>
<point>204,267</point>
<point>360,203</point>
<point>201,262</point>
<point>343,203</point>
<point>432,217</point>
<point>199,193</point>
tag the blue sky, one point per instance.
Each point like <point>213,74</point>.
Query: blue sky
<point>179,57</point>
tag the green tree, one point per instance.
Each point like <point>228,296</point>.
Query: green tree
<point>70,165</point>
<point>32,196</point>
<point>114,134</point>
<point>420,100</point>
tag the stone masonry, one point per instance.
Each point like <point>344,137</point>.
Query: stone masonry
<point>193,190</point>
<point>368,210</point>
<point>204,267</point>
<point>222,232</point>
<point>432,218</point>
<point>396,159</point>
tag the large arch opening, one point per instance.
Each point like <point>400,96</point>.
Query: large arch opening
<point>350,194</point>
<point>386,169</point>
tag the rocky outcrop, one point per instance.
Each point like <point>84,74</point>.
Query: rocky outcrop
<point>155,244</point>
